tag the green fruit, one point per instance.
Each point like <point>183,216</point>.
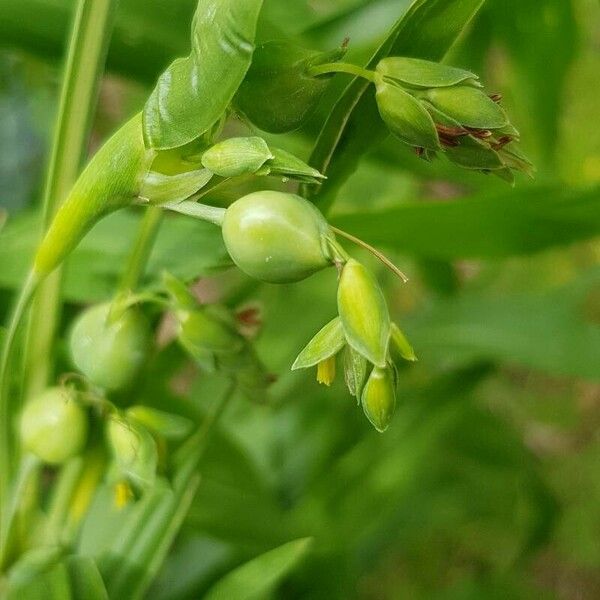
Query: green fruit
<point>54,426</point>
<point>110,352</point>
<point>276,237</point>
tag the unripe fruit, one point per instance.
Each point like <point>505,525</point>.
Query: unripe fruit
<point>110,353</point>
<point>276,237</point>
<point>54,426</point>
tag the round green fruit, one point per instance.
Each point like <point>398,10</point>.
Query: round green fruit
<point>54,426</point>
<point>276,237</point>
<point>110,352</point>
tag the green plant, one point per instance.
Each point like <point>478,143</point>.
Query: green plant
<point>126,454</point>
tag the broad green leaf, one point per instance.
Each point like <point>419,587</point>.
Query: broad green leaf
<point>556,331</point>
<point>146,36</point>
<point>327,342</point>
<point>195,91</point>
<point>422,73</point>
<point>519,222</point>
<point>257,578</point>
<point>278,94</point>
<point>427,30</point>
<point>186,247</point>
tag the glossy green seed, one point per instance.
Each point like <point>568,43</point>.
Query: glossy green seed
<point>363,310</point>
<point>110,353</point>
<point>54,426</point>
<point>379,398</point>
<point>276,237</point>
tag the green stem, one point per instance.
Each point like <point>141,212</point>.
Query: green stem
<point>88,46</point>
<point>142,248</point>
<point>212,214</point>
<point>382,257</point>
<point>148,534</point>
<point>327,68</point>
<point>62,495</point>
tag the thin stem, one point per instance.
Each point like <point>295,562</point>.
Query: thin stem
<point>191,452</point>
<point>384,259</point>
<point>88,46</point>
<point>212,214</point>
<point>142,248</point>
<point>348,68</point>
<point>7,404</point>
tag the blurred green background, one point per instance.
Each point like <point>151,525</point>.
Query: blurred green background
<point>487,484</point>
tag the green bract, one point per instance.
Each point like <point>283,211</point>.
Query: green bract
<point>110,351</point>
<point>237,156</point>
<point>168,425</point>
<point>194,92</point>
<point>435,107</point>
<point>134,451</point>
<point>54,426</point>
<point>364,312</point>
<point>276,237</point>
<point>379,398</point>
<point>327,342</point>
<point>405,117</point>
<point>278,94</point>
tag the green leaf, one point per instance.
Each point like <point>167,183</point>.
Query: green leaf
<point>277,94</point>
<point>422,73</point>
<point>194,92</point>
<point>257,578</point>
<point>86,581</point>
<point>406,118</point>
<point>327,342</point>
<point>95,267</point>
<point>427,30</point>
<point>518,222</point>
<point>556,331</point>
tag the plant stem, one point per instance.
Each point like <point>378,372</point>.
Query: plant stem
<point>88,46</point>
<point>212,214</point>
<point>142,248</point>
<point>382,257</point>
<point>348,68</point>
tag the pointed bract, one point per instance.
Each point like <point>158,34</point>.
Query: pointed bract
<point>364,313</point>
<point>379,398</point>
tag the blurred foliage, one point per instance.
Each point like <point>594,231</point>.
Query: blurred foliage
<point>486,484</point>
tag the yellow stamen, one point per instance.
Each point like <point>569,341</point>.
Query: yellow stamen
<point>326,371</point>
<point>123,494</point>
